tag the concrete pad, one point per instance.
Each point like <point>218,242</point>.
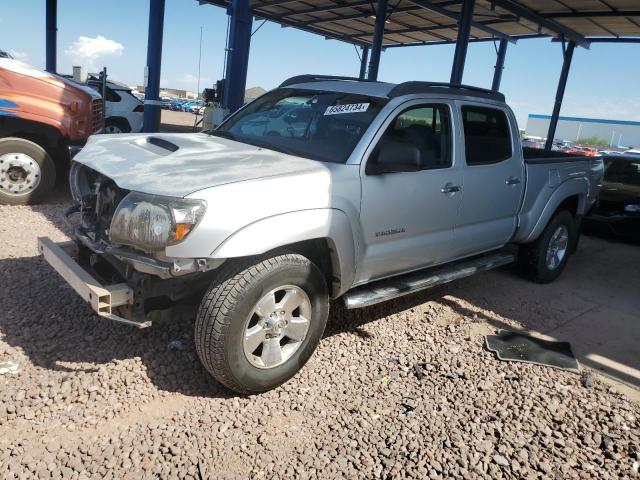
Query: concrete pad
<point>608,341</point>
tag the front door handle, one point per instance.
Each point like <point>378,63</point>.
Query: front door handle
<point>451,188</point>
<point>512,181</point>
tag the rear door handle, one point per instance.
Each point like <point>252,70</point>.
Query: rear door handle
<point>450,188</point>
<point>512,181</point>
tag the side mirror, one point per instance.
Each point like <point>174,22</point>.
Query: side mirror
<point>392,157</point>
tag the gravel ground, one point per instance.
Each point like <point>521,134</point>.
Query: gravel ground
<point>98,400</point>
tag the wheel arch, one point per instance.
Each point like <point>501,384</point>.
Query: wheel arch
<point>322,235</point>
<point>123,122</point>
<point>568,196</point>
<point>45,136</point>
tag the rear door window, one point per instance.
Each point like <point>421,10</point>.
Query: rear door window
<point>487,136</point>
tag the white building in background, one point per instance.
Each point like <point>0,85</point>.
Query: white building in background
<point>616,132</point>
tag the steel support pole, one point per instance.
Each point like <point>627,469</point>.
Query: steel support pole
<point>363,62</point>
<point>239,43</point>
<point>497,74</point>
<point>562,83</point>
<point>378,37</point>
<point>51,35</point>
<point>154,61</point>
<point>464,28</point>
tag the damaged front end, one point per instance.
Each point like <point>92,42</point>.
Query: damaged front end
<point>121,282</point>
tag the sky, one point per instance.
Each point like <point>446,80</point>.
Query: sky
<point>603,82</point>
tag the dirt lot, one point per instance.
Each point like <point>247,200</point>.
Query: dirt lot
<point>179,122</point>
<point>93,399</point>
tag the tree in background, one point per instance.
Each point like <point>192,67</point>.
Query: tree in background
<point>594,141</point>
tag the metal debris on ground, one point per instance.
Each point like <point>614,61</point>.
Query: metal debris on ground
<point>518,347</point>
<point>8,367</point>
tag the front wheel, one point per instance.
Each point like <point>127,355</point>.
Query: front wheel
<point>544,260</point>
<point>260,321</point>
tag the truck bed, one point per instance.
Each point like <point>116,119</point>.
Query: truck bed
<point>550,177</point>
<point>539,155</point>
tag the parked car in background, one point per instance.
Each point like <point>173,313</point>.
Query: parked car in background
<point>358,191</point>
<point>192,105</point>
<point>166,103</point>
<point>176,104</point>
<point>124,112</point>
<point>633,151</point>
<point>532,143</point>
<point>618,208</point>
<point>44,119</point>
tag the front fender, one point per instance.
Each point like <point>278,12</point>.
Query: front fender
<point>287,228</point>
<point>569,188</point>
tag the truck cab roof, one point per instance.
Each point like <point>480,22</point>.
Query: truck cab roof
<point>385,89</point>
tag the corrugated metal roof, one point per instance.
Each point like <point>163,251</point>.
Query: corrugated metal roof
<point>415,22</point>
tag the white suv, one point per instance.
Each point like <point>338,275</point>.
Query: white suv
<point>123,110</point>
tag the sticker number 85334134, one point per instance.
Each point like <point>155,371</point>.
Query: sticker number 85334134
<point>347,108</point>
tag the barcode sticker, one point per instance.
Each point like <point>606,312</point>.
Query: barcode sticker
<point>347,108</point>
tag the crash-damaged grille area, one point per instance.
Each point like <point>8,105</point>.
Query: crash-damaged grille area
<point>97,115</point>
<point>99,201</point>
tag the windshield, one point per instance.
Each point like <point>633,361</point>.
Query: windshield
<point>319,125</point>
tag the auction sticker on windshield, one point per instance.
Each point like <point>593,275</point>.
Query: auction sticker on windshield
<point>347,108</point>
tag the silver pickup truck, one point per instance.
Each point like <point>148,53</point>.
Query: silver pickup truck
<point>322,188</point>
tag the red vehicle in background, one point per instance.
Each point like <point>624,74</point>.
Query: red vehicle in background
<point>44,118</point>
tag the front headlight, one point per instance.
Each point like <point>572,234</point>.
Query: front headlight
<point>152,222</point>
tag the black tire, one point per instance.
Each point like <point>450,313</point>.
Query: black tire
<point>47,175</point>
<point>229,303</point>
<point>120,124</point>
<point>532,258</point>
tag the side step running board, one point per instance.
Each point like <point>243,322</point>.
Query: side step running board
<point>391,288</point>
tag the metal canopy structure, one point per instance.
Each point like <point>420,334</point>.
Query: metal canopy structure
<point>375,25</point>
<point>422,22</point>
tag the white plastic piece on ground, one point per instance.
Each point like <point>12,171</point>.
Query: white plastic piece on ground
<point>8,367</point>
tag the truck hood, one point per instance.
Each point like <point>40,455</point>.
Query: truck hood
<point>21,68</point>
<point>183,163</point>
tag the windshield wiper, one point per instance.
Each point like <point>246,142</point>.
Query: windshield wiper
<point>271,146</point>
<point>223,134</point>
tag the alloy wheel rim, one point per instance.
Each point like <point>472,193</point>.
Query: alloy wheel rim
<point>19,174</point>
<point>277,326</point>
<point>557,248</point>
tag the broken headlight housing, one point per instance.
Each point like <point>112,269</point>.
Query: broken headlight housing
<point>152,222</point>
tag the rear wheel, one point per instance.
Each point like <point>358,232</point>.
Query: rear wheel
<point>544,260</point>
<point>27,172</point>
<point>116,126</point>
<point>260,321</point>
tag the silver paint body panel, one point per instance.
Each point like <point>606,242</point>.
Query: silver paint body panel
<point>260,199</point>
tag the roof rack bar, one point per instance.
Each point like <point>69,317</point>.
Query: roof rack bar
<point>408,88</point>
<point>316,78</point>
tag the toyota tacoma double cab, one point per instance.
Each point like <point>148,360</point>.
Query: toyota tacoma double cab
<point>324,188</point>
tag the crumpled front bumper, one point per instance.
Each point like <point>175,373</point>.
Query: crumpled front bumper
<point>103,299</point>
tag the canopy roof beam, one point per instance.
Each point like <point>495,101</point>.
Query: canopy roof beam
<point>520,10</point>
<point>427,5</point>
